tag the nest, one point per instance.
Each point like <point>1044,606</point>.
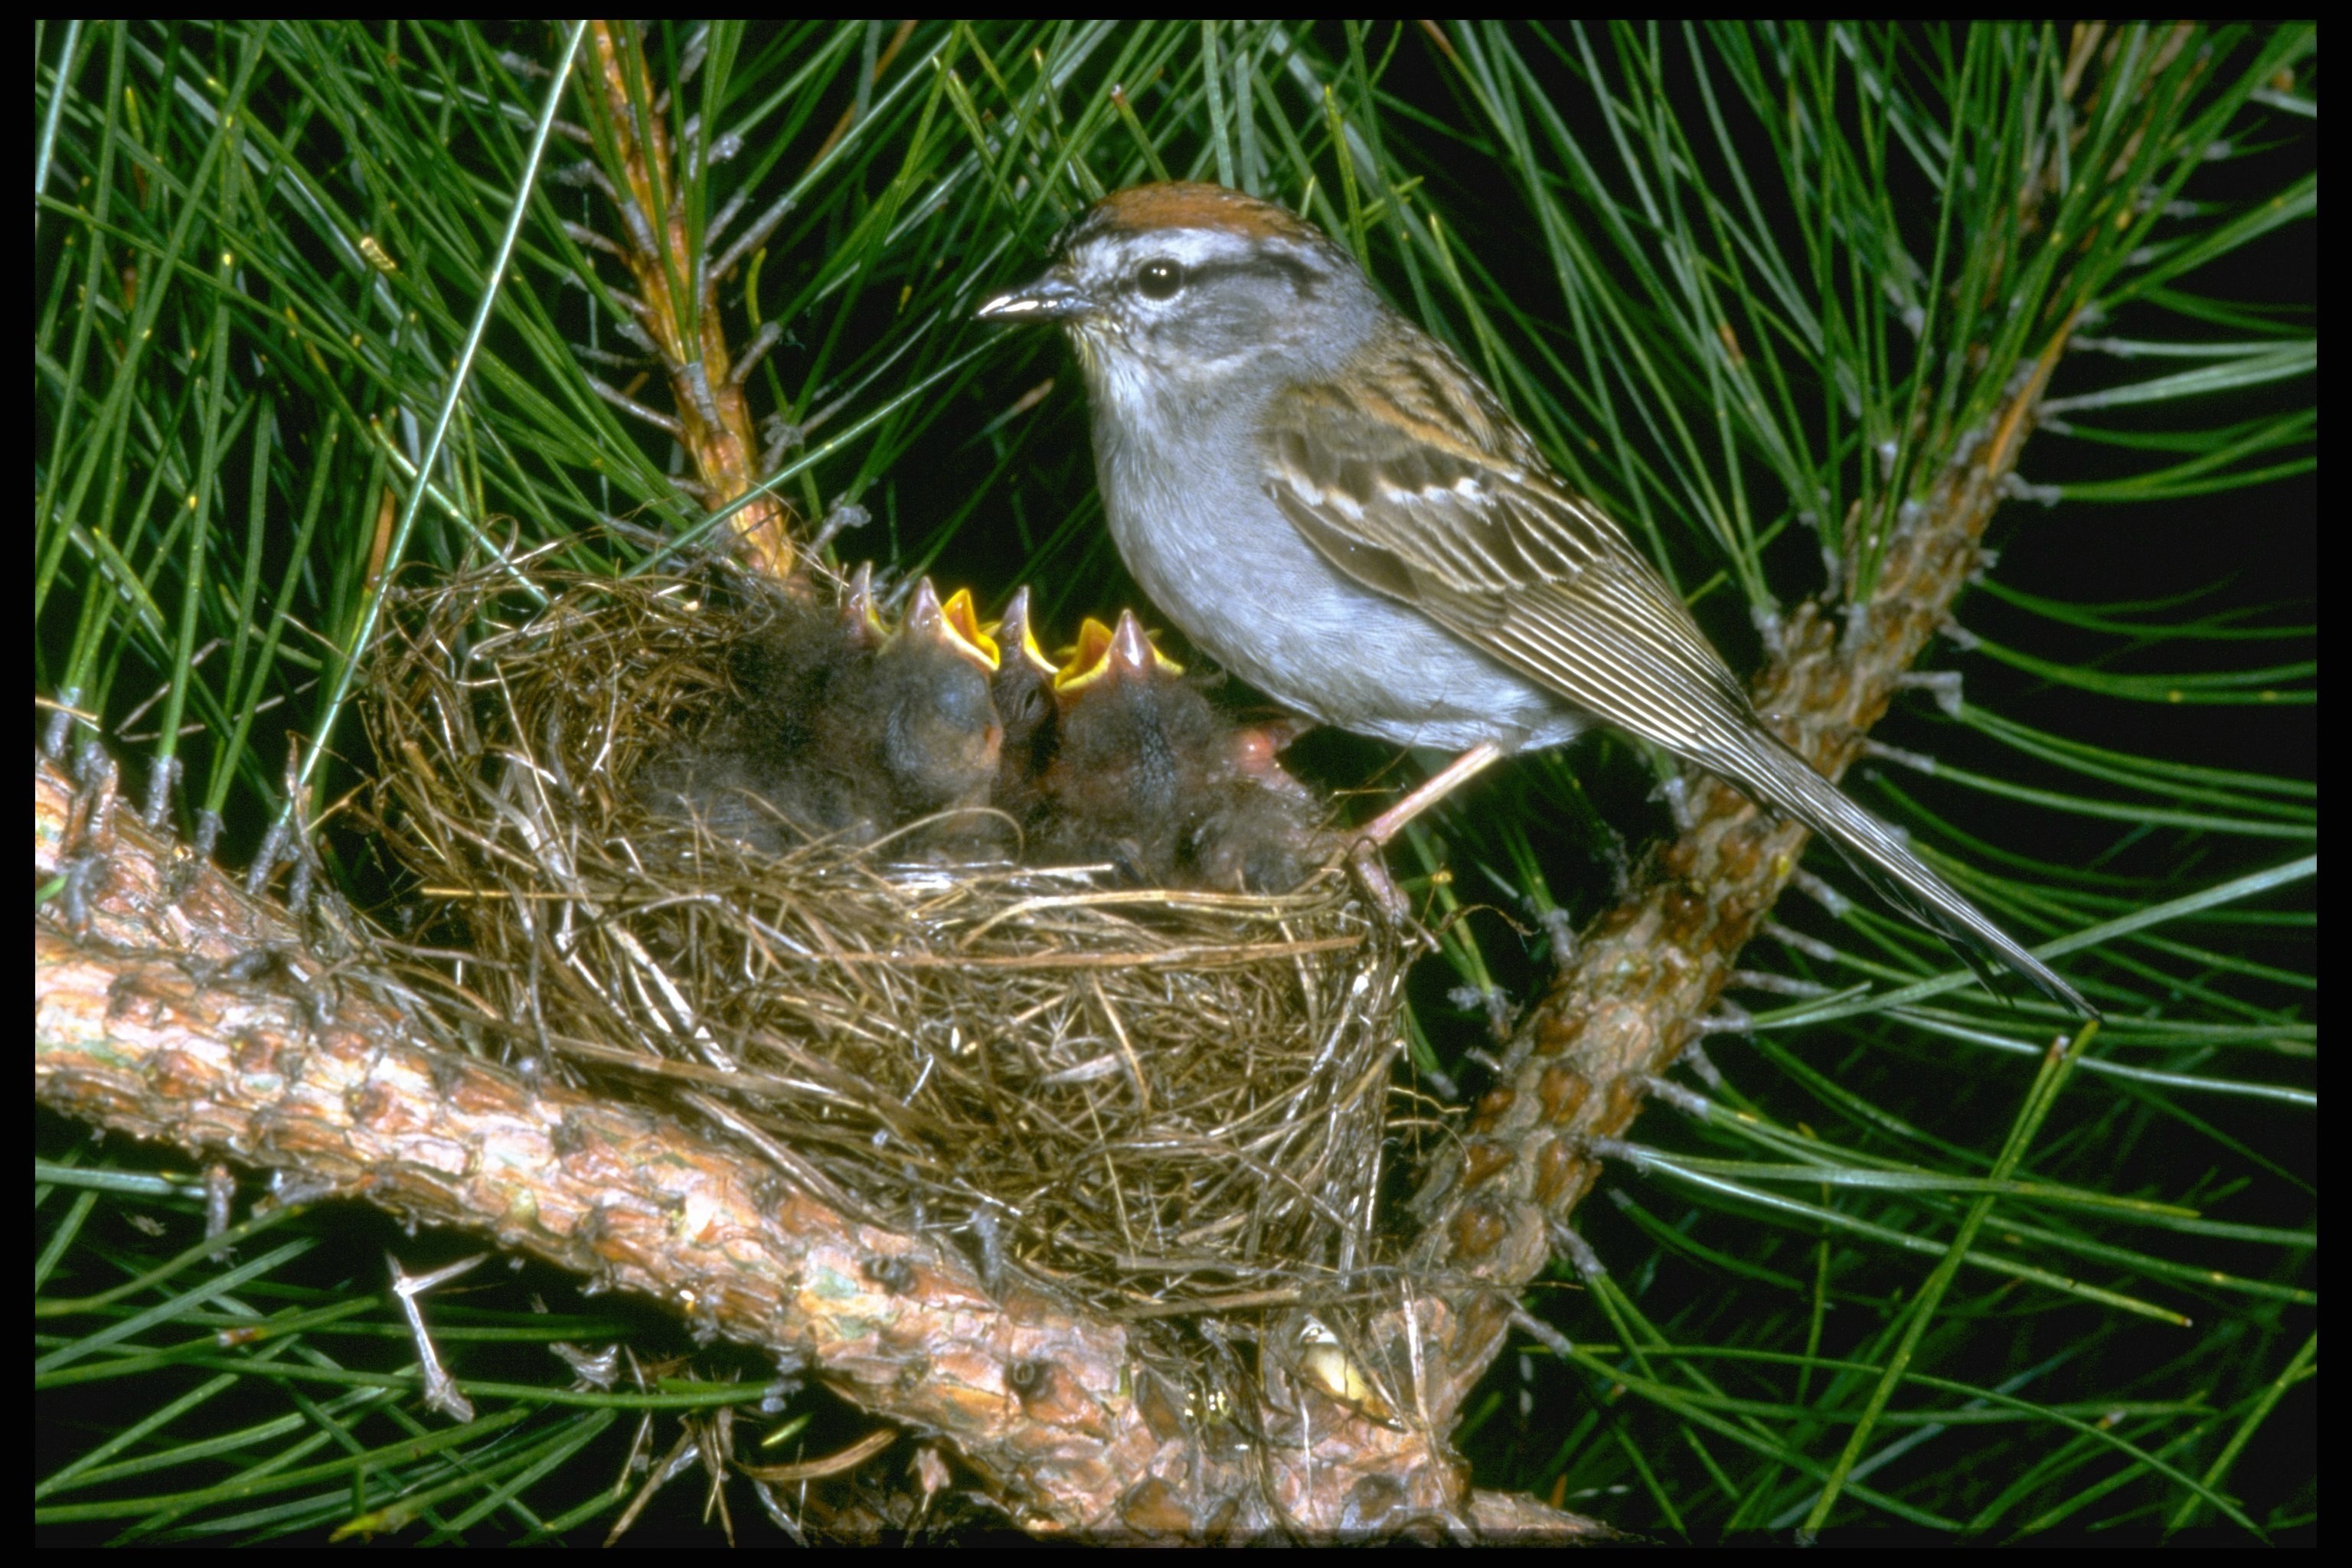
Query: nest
<point>1156,1098</point>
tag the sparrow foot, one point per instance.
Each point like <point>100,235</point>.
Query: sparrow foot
<point>1364,860</point>
<point>1436,787</point>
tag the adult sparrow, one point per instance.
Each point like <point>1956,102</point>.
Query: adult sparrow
<point>1324,497</point>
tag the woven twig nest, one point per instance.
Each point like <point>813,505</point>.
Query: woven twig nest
<point>1154,1096</point>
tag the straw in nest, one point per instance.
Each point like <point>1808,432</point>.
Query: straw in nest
<point>1153,1097</point>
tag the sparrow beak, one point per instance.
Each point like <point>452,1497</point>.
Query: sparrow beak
<point>1052,298</point>
<point>1017,631</point>
<point>963,620</point>
<point>860,620</point>
<point>1105,654</point>
<point>952,625</point>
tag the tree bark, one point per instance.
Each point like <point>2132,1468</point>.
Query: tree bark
<point>169,1004</point>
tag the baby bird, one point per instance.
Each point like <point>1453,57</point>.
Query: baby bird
<point>1023,692</point>
<point>1251,836</point>
<point>1150,777</point>
<point>747,776</point>
<point>936,738</point>
<point>1130,732</point>
<point>843,727</point>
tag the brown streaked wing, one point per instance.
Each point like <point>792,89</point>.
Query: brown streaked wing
<point>1612,647</point>
<point>1415,496</point>
<point>1408,500</point>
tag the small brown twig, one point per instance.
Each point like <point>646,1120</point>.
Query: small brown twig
<point>677,304</point>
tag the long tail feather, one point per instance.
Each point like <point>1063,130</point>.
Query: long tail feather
<point>1779,777</point>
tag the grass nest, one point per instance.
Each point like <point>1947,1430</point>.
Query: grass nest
<point>1155,1097</point>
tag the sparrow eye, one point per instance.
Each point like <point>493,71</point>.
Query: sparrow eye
<point>1160,280</point>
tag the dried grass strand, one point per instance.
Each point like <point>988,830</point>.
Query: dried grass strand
<point>1148,1097</point>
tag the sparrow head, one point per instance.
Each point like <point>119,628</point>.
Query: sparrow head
<point>1201,286</point>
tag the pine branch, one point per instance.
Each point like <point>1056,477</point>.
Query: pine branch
<point>310,1071</point>
<point>675,301</point>
<point>1619,1016</point>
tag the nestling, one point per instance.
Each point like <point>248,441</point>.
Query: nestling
<point>1130,736</point>
<point>747,777</point>
<point>938,737</point>
<point>841,727</point>
<point>1299,476</point>
<point>1023,693</point>
<point>1149,776</point>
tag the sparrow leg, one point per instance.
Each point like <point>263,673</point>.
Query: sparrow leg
<point>1364,860</point>
<point>1438,786</point>
<point>1364,852</point>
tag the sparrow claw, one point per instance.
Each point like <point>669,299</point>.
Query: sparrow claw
<point>1372,874</point>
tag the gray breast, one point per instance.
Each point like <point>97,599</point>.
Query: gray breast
<point>1243,584</point>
